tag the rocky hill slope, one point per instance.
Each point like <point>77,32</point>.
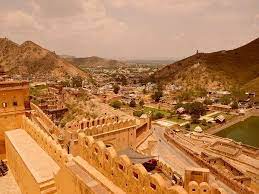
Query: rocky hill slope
<point>93,62</point>
<point>29,59</point>
<point>215,70</point>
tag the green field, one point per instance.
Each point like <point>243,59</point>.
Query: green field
<point>246,132</point>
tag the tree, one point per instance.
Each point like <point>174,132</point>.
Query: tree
<point>132,103</point>
<point>238,94</point>
<point>138,113</point>
<point>204,122</point>
<point>185,95</point>
<point>116,88</point>
<point>195,118</point>
<point>197,108</point>
<point>157,95</point>
<point>77,81</point>
<point>234,105</point>
<point>225,99</point>
<point>200,92</point>
<point>65,83</point>
<point>141,103</point>
<point>116,104</point>
<point>188,126</point>
<point>157,115</point>
<point>207,101</point>
<point>178,105</point>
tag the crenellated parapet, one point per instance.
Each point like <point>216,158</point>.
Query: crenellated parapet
<point>132,178</point>
<point>226,178</point>
<point>86,123</point>
<point>119,169</point>
<point>46,142</point>
<point>40,116</point>
<point>105,128</point>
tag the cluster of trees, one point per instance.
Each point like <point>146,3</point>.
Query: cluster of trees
<point>154,115</point>
<point>189,94</point>
<point>158,93</point>
<point>195,109</point>
<point>133,103</point>
<point>77,81</point>
<point>121,78</point>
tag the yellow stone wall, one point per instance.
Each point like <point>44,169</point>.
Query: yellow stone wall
<point>13,97</point>
<point>22,174</point>
<point>120,139</point>
<point>118,169</point>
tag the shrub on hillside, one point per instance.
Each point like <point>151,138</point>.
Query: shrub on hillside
<point>132,103</point>
<point>116,104</point>
<point>138,113</point>
<point>157,115</point>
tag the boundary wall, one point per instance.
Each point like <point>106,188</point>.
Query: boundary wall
<point>235,185</point>
<point>133,178</point>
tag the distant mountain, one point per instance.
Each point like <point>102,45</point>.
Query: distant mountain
<point>150,61</point>
<point>90,62</point>
<point>215,70</point>
<point>30,59</point>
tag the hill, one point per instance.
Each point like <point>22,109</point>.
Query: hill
<point>93,62</point>
<point>214,70</point>
<point>30,59</point>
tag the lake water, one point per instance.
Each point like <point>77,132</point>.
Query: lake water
<point>246,132</point>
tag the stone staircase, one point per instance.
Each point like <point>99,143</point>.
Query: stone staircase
<point>48,187</point>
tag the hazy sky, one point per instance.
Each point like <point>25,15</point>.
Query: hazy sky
<point>131,28</point>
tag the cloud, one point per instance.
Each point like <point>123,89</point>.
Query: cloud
<point>130,28</point>
<point>18,21</point>
<point>165,6</point>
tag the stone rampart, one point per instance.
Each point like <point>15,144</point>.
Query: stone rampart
<point>46,142</point>
<point>105,128</point>
<point>132,178</point>
<point>52,128</point>
<point>225,178</point>
<point>86,123</point>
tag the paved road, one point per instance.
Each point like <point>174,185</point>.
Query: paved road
<point>175,158</point>
<point>171,155</point>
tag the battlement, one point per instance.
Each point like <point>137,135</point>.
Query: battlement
<point>46,142</point>
<point>38,114</point>
<point>87,123</point>
<point>117,170</point>
<point>224,173</point>
<point>134,178</point>
<point>105,128</point>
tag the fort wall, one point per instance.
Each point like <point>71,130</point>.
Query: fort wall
<point>225,178</point>
<point>49,125</point>
<point>13,104</point>
<point>119,134</point>
<point>46,142</point>
<point>24,178</point>
<point>132,178</point>
<point>87,123</point>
